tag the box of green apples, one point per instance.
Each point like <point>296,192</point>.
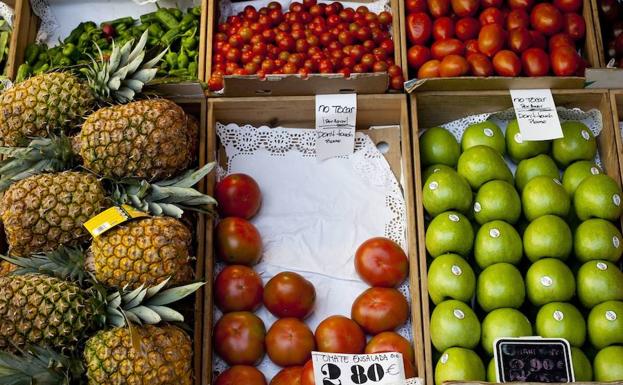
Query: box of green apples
<point>518,238</point>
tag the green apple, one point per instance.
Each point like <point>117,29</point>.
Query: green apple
<point>497,200</point>
<point>454,323</point>
<point>486,133</point>
<point>500,285</point>
<point>544,195</point>
<point>599,281</point>
<point>540,165</point>
<point>597,239</point>
<point>582,369</point>
<point>492,375</point>
<point>446,190</point>
<point>576,172</point>
<point>561,320</point>
<point>439,146</point>
<point>547,236</point>
<point>450,277</point>
<point>549,280</point>
<point>578,143</point>
<point>598,196</point>
<point>458,364</point>
<point>605,324</point>
<point>496,242</point>
<point>430,170</point>
<point>449,232</point>
<point>608,364</point>
<point>502,323</point>
<point>481,164</point>
<point>518,149</point>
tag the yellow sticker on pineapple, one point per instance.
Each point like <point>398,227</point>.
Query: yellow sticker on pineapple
<point>110,218</point>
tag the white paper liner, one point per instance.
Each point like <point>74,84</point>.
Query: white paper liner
<point>281,159</point>
<point>7,13</point>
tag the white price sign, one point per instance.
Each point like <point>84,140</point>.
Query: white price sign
<point>358,369</point>
<point>336,117</point>
<point>536,114</point>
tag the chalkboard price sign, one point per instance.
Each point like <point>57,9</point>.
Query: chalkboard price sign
<point>533,359</point>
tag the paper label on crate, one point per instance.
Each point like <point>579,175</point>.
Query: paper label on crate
<point>358,369</point>
<point>536,114</point>
<point>110,218</point>
<point>336,117</point>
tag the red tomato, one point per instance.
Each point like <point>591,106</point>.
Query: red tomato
<point>417,55</point>
<point>288,376</point>
<point>464,8</point>
<point>491,39</point>
<point>385,18</point>
<point>491,16</point>
<point>506,63</point>
<point>546,19</point>
<point>561,40</point>
<point>289,342</point>
<point>568,5</point>
<point>453,66</point>
<point>238,195</point>
<point>388,342</point>
<point>215,83</point>
<point>574,25</point>
<point>238,288</point>
<point>430,69</point>
<point>479,65</point>
<point>523,4</point>
<point>535,62</point>
<point>241,374</point>
<point>380,309</point>
<point>438,8</point>
<point>519,39</point>
<point>419,28</point>
<point>288,294</point>
<point>517,18</point>
<point>443,48</point>
<point>239,338</point>
<point>467,28</point>
<point>618,45</point>
<point>565,61</point>
<point>397,82</point>
<point>443,28</point>
<point>416,6</point>
<point>394,71</point>
<point>307,376</point>
<point>471,46</point>
<point>338,334</point>
<point>238,242</point>
<point>538,40</point>
<point>491,3</point>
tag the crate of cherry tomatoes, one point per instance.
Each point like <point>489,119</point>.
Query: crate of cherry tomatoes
<point>285,47</point>
<point>497,44</point>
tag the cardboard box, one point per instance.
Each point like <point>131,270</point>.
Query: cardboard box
<point>589,52</point>
<point>425,107</point>
<point>284,85</point>
<point>372,110</point>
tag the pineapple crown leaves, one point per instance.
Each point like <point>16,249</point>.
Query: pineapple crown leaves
<point>64,263</point>
<point>168,197</point>
<point>39,366</point>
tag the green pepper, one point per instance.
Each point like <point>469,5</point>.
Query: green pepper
<point>65,62</point>
<point>121,28</point>
<point>75,34</point>
<point>196,11</point>
<point>102,43</point>
<point>170,36</point>
<point>153,41</point>
<point>128,20</point>
<point>190,42</point>
<point>148,18</point>
<point>141,28</point>
<point>155,30</point>
<point>176,12</point>
<point>84,38</point>
<point>32,52</point>
<point>45,56</point>
<point>187,21</point>
<point>182,59</point>
<point>41,69</point>
<point>89,26</point>
<point>167,19</point>
<point>22,73</point>
<point>70,51</point>
<point>171,59</point>
<point>192,68</point>
<point>179,72</point>
<point>162,73</point>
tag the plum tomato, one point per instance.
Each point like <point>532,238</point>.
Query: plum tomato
<point>339,334</point>
<point>381,262</point>
<point>565,61</point>
<point>288,294</point>
<point>574,25</point>
<point>417,55</point>
<point>288,376</point>
<point>419,28</point>
<point>430,69</point>
<point>521,4</point>
<point>538,40</point>
<point>568,5</point>
<point>471,46</point>
<point>238,288</point>
<point>453,66</point>
<point>443,28</point>
<point>517,18</point>
<point>535,62</point>
<point>438,8</point>
<point>519,39</point>
<point>241,374</point>
<point>416,6</point>
<point>560,40</point>
<point>491,39</point>
<point>380,309</point>
<point>239,338</point>
<point>464,8</point>
<point>289,342</point>
<point>546,19</point>
<point>443,48</point>
<point>467,28</point>
<point>238,195</point>
<point>491,16</point>
<point>238,242</point>
<point>507,63</point>
<point>491,3</point>
<point>479,65</point>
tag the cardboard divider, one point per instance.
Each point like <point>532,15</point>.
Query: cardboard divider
<point>372,110</point>
<point>589,51</point>
<point>425,113</point>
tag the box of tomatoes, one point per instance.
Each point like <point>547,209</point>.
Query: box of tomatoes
<point>285,47</point>
<point>310,255</point>
<point>497,44</point>
<point>608,20</point>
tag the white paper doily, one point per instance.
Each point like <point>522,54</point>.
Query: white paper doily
<point>341,201</point>
<point>7,13</point>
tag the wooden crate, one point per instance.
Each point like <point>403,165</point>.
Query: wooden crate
<point>616,98</point>
<point>425,113</point>
<point>281,85</point>
<point>589,51</point>
<point>372,110</point>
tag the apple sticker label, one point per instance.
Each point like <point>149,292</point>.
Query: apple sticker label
<point>336,117</point>
<point>536,114</point>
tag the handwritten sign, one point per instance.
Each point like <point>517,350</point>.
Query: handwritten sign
<point>358,369</point>
<point>536,114</point>
<point>533,359</point>
<point>336,117</point>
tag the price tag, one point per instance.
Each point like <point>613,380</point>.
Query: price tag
<point>536,114</point>
<point>358,369</point>
<point>533,359</point>
<point>110,218</point>
<point>336,117</point>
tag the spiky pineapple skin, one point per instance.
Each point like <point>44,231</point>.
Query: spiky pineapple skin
<point>43,310</point>
<point>41,104</point>
<point>144,251</point>
<point>44,211</point>
<point>165,358</point>
<point>147,139</point>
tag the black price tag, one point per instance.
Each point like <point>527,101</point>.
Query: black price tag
<point>533,360</point>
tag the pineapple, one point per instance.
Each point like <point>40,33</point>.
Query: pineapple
<point>164,358</point>
<point>60,100</point>
<point>44,211</point>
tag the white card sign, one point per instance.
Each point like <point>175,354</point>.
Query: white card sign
<point>536,114</point>
<point>336,117</point>
<point>358,369</point>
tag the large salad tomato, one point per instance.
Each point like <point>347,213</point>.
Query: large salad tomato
<point>380,309</point>
<point>289,342</point>
<point>238,242</point>
<point>238,195</point>
<point>339,334</point>
<point>238,288</point>
<point>241,374</point>
<point>381,262</point>
<point>239,338</point>
<point>288,294</point>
